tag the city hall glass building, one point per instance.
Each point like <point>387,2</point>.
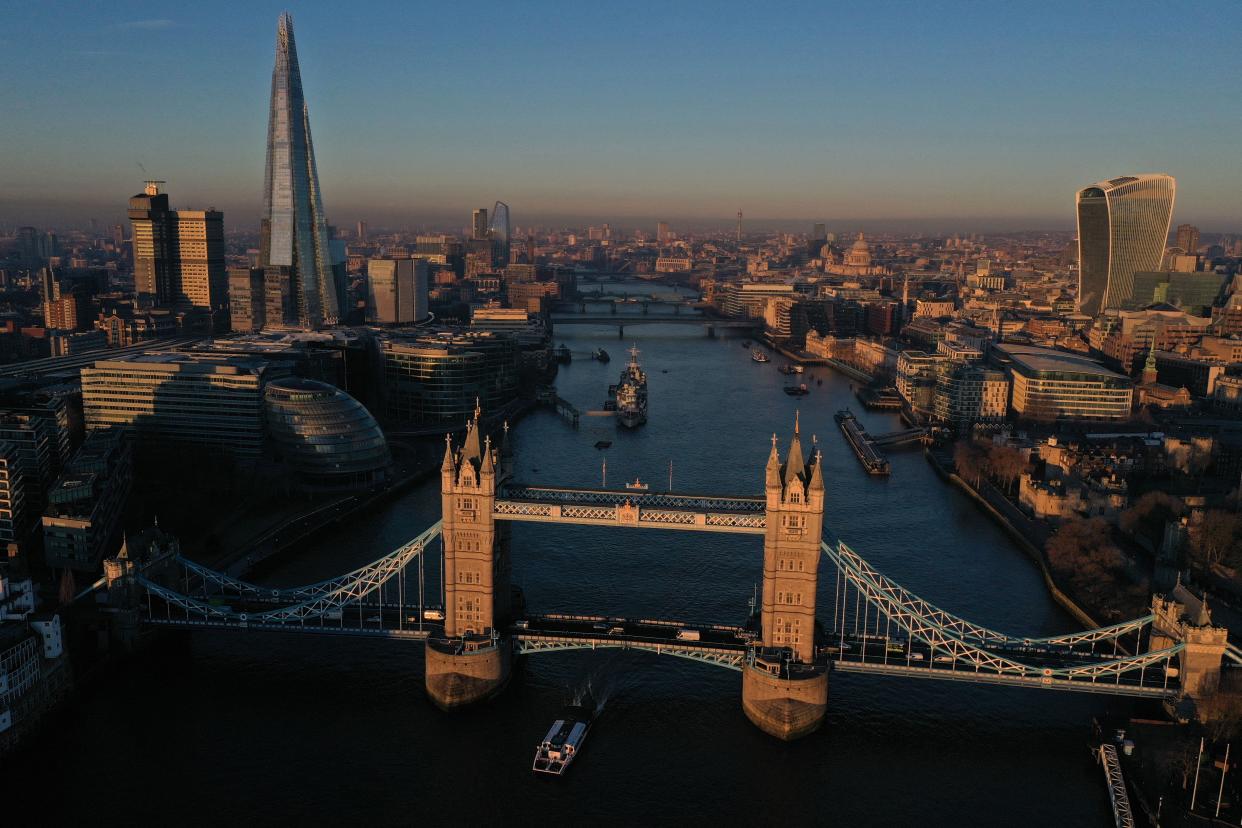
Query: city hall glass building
<point>304,278</point>
<point>1123,225</point>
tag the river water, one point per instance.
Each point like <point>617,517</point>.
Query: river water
<point>233,727</point>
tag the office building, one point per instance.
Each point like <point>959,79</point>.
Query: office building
<point>325,437</point>
<point>174,400</point>
<point>82,520</point>
<point>201,279</point>
<point>662,232</point>
<point>1193,292</point>
<point>360,232</point>
<point>178,254</point>
<point>498,231</point>
<point>440,377</point>
<point>1188,238</point>
<point>396,291</point>
<point>1123,224</point>
<point>478,223</point>
<point>247,299</point>
<point>1053,385</point>
<point>305,280</point>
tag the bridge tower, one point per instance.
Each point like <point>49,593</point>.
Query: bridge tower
<point>784,692</point>
<point>1180,617</point>
<point>470,662</point>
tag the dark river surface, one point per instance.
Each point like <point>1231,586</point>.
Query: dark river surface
<point>227,728</point>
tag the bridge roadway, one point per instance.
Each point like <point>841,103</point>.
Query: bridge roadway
<point>623,319</point>
<point>720,645</point>
<point>635,508</point>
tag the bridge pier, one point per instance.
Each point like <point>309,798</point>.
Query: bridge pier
<point>785,700</point>
<point>460,673</point>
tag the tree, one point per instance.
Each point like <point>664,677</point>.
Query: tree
<point>1218,538</point>
<point>1083,554</point>
<point>969,461</point>
<point>1005,464</point>
<point>1149,514</point>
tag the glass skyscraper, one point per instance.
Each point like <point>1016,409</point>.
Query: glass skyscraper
<point>1123,226</point>
<point>498,231</point>
<point>295,239</point>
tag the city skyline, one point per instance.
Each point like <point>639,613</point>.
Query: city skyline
<point>842,117</point>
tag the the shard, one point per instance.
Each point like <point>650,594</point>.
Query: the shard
<point>303,279</point>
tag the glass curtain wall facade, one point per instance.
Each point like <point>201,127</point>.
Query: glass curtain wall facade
<point>295,239</point>
<point>326,437</point>
<point>1123,226</point>
<point>499,232</point>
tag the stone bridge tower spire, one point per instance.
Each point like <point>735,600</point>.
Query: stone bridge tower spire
<point>783,691</point>
<point>470,661</point>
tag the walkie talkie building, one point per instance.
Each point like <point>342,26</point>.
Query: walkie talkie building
<point>303,278</point>
<point>1123,227</point>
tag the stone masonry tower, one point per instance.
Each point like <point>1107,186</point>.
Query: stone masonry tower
<point>470,662</point>
<point>476,554</point>
<point>784,692</point>
<point>795,495</point>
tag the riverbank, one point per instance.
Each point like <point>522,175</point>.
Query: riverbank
<point>1022,535</point>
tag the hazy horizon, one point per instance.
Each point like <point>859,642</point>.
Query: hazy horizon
<point>929,119</point>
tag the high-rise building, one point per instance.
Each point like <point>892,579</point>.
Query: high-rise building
<point>247,302</point>
<point>305,282</point>
<point>498,232</point>
<point>201,279</point>
<point>153,243</point>
<point>662,232</point>
<point>1188,238</point>
<point>396,291</point>
<point>178,254</point>
<point>819,232</point>
<point>1123,225</point>
<point>478,223</point>
<point>174,400</point>
<point>360,234</point>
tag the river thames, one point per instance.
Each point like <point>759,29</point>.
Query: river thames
<point>232,727</point>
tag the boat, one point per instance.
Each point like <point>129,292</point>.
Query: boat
<point>858,438</point>
<point>798,369</point>
<point>563,356</point>
<point>600,355</point>
<point>603,444</point>
<point>563,742</point>
<point>759,356</point>
<point>637,485</point>
<point>632,393</point>
<point>799,390</point>
<point>786,369</point>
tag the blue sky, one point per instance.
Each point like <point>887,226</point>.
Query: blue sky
<point>953,113</point>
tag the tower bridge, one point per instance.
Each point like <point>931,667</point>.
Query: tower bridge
<point>785,652</point>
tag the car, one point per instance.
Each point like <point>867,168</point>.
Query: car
<point>943,659</point>
<point>433,615</point>
<point>916,656</point>
<point>618,630</point>
<point>600,627</point>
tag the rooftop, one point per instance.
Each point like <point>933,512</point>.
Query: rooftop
<point>1034,358</point>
